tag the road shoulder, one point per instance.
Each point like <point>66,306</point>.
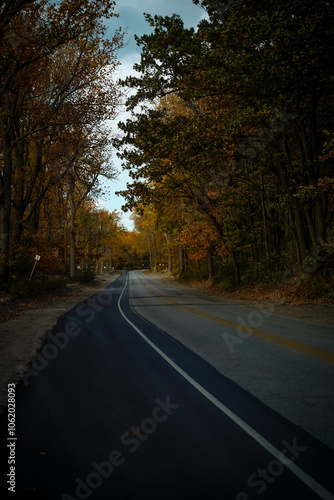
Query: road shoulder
<point>310,312</point>
<point>23,336</point>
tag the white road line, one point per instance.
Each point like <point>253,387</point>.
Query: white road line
<point>297,471</point>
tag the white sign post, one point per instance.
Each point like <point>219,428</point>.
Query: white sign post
<point>33,269</point>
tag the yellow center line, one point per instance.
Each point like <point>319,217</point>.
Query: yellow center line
<point>270,337</point>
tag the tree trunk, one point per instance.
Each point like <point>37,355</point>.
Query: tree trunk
<point>4,243</point>
<point>210,263</point>
<point>170,260</point>
<point>301,236</point>
<point>264,218</point>
<point>5,206</point>
<point>320,222</point>
<point>181,267</point>
<point>73,237</point>
<point>170,254</point>
<point>236,268</point>
<point>310,225</point>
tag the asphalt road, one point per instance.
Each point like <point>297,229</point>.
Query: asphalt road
<point>115,407</point>
<point>287,363</point>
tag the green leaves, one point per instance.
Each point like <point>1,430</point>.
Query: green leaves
<point>237,122</point>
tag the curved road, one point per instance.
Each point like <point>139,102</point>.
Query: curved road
<point>134,396</point>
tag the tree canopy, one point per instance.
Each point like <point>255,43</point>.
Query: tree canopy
<point>233,122</point>
<point>56,93</point>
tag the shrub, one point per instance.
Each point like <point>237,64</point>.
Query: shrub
<point>85,276</point>
<point>224,278</point>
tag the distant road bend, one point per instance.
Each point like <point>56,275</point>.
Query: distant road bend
<point>146,400</point>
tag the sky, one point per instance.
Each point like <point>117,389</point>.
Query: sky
<point>131,19</point>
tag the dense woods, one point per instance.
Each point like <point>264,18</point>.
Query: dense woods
<point>56,93</point>
<point>230,143</point>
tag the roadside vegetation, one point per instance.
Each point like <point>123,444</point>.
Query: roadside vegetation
<point>230,146</point>
<point>56,95</point>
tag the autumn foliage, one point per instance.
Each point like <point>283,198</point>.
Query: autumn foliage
<point>56,93</point>
<point>233,146</point>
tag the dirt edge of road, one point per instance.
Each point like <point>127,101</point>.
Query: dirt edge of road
<point>22,336</point>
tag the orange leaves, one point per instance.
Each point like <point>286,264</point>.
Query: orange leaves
<point>55,95</point>
<point>198,236</point>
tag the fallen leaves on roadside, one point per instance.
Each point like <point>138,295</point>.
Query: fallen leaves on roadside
<point>11,306</point>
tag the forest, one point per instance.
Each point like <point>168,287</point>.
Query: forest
<point>57,94</point>
<point>229,144</point>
